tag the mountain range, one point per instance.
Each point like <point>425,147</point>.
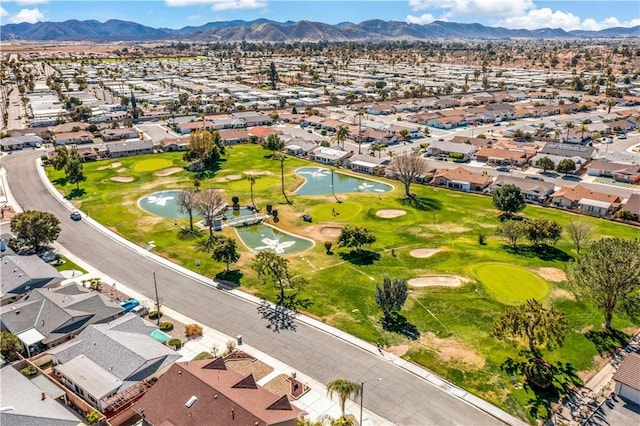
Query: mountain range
<point>264,30</point>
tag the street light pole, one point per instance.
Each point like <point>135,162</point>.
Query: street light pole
<point>155,285</point>
<point>378,379</point>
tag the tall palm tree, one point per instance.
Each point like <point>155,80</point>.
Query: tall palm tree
<point>569,125</point>
<point>344,388</point>
<point>342,133</point>
<point>252,181</point>
<point>359,114</point>
<point>281,157</point>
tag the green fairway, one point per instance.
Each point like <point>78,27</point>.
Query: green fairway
<point>454,324</point>
<point>511,285</point>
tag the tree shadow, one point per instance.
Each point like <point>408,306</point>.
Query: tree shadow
<point>607,341</point>
<point>397,323</point>
<point>421,203</point>
<point>543,252</point>
<point>208,172</point>
<point>230,279</point>
<point>362,257</point>
<point>189,234</point>
<point>75,193</point>
<point>61,181</point>
<point>278,317</point>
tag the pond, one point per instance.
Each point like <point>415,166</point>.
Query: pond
<point>164,204</point>
<point>318,181</point>
<point>264,237</point>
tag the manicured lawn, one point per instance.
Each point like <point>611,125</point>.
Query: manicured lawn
<point>511,285</point>
<point>453,324</point>
<point>68,265</point>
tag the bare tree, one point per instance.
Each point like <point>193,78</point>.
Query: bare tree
<point>408,168</point>
<point>209,203</point>
<point>580,233</point>
<point>186,201</point>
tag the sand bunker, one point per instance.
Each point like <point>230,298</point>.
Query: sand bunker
<point>451,227</point>
<point>424,252</point>
<point>122,170</point>
<point>552,274</point>
<point>104,167</point>
<point>116,165</point>
<point>437,281</point>
<point>169,171</point>
<point>123,179</point>
<point>330,231</point>
<point>233,177</point>
<point>257,172</point>
<point>390,213</point>
<point>110,166</point>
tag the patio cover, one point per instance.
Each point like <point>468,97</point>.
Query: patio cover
<point>30,337</point>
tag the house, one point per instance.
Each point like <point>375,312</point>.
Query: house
<point>175,144</point>
<point>633,205</point>
<point>233,136</point>
<point>52,315</point>
<point>107,359</point>
<point>627,378</point>
<point>477,142</point>
<point>88,153</point>
<point>25,402</point>
<point>617,171</point>
<point>447,122</point>
<point>329,156</point>
<point>192,126</point>
<point>15,143</point>
<point>497,156</point>
<point>251,119</point>
<point>262,132</point>
<point>568,150</point>
<point>73,138</point>
<point>585,200</point>
<point>208,392</point>
<point>19,274</point>
<point>461,179</point>
<point>227,123</point>
<point>118,134</point>
<point>130,147</point>
<point>457,151</point>
<point>533,190</point>
<point>366,164</point>
<point>299,147</point>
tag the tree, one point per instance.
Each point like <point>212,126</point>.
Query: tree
<point>273,143</point>
<point>273,269</point>
<point>9,343</point>
<point>345,389</point>
<point>225,250</point>
<point>569,125</point>
<point>61,157</point>
<point>566,166</point>
<point>378,146</point>
<point>282,158</point>
<point>541,231</point>
<point>183,98</point>
<point>512,231</point>
<point>73,169</point>
<point>186,202</point>
<point>34,229</point>
<point>509,199</point>
<point>580,233</point>
<point>342,133</point>
<point>611,102</point>
<point>532,325</point>
<point>356,237</point>
<point>202,149</point>
<point>273,75</point>
<point>546,163</point>
<point>408,168</point>
<point>391,295</point>
<point>607,274</point>
<point>209,204</point>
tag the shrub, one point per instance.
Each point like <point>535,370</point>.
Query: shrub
<point>175,343</point>
<point>203,355</point>
<point>235,200</point>
<point>269,208</point>
<point>327,246</point>
<point>231,346</point>
<point>29,371</point>
<point>166,326</point>
<point>155,315</point>
<point>93,417</point>
<point>482,239</point>
<point>193,330</point>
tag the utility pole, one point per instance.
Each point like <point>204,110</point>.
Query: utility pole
<point>155,285</point>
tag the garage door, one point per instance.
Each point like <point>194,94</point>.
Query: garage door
<point>630,393</point>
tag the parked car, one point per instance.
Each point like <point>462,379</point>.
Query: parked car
<point>129,304</point>
<point>140,310</point>
<point>503,168</point>
<point>75,215</point>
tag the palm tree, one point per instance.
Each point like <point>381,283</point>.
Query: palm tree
<point>281,157</point>
<point>557,132</point>
<point>359,114</point>
<point>252,181</point>
<point>342,133</point>
<point>344,388</point>
<point>569,125</point>
<point>583,128</point>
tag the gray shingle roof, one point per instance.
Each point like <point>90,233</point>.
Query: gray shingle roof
<point>17,272</point>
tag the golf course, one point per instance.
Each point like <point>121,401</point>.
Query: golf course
<point>465,274</point>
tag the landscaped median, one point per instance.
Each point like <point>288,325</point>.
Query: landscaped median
<point>437,237</point>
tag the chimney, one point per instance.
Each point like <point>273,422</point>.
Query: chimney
<point>233,414</point>
<point>43,395</point>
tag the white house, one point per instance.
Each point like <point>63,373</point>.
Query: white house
<point>627,378</point>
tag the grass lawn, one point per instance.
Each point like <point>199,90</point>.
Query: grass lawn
<point>452,325</point>
<point>511,285</point>
<point>68,265</point>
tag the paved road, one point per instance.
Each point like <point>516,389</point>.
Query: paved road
<point>401,397</point>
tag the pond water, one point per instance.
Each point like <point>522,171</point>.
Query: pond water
<point>318,181</point>
<point>164,204</point>
<point>264,237</point>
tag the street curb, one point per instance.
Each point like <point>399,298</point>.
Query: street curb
<point>431,378</point>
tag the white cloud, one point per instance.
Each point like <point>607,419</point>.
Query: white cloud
<point>220,4</point>
<point>30,16</point>
<point>496,8</point>
<point>425,18</point>
<point>3,12</point>
<point>30,2</point>
<point>547,18</point>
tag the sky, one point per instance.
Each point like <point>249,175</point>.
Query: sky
<point>528,14</point>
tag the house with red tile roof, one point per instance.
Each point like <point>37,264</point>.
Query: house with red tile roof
<point>462,179</point>
<point>587,201</point>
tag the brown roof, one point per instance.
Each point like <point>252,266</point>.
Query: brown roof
<point>633,204</point>
<point>478,142</point>
<point>72,135</point>
<point>262,132</point>
<point>176,141</point>
<point>578,192</point>
<point>229,134</point>
<point>489,152</point>
<point>629,372</point>
<point>224,397</point>
<point>463,175</point>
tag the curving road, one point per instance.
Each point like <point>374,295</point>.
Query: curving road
<point>401,397</point>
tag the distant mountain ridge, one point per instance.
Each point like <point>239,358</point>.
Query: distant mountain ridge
<point>264,30</point>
